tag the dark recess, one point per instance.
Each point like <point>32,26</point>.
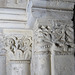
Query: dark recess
<point>74,24</point>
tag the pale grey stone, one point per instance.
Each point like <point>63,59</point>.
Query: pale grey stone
<point>2,3</point>
<point>63,65</point>
<point>16,4</point>
<point>2,65</point>
<point>21,4</point>
<point>51,48</point>
<point>18,68</point>
<point>60,5</point>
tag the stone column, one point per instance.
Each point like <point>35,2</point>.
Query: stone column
<point>62,63</point>
<point>57,15</point>
<point>42,43</point>
<point>2,54</point>
<point>62,49</point>
<point>19,52</point>
<point>20,67</point>
<point>2,62</point>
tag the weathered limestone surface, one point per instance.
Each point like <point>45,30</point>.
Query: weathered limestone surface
<point>60,5</point>
<point>47,49</point>
<point>11,19</point>
<point>63,65</point>
<point>2,62</point>
<point>18,44</point>
<point>41,50</point>
<point>2,55</point>
<point>13,3</point>
<point>57,16</point>
<point>50,10</point>
<point>20,68</point>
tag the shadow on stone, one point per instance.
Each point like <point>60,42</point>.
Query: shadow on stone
<point>73,19</point>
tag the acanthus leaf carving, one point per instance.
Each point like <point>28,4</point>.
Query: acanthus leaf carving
<point>63,41</point>
<point>20,48</point>
<point>43,39</point>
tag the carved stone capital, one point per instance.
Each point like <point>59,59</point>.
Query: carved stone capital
<point>42,38</point>
<point>63,41</point>
<point>19,48</point>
